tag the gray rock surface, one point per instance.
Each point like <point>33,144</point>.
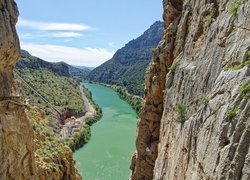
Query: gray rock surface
<point>209,43</point>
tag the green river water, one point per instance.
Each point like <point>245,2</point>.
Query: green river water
<point>108,154</point>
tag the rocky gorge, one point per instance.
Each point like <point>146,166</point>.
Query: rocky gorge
<point>194,123</point>
<point>195,118</point>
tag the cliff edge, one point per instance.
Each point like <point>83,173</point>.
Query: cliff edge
<point>16,135</point>
<point>25,152</point>
<point>195,118</point>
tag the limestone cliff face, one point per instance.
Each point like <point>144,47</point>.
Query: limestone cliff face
<point>17,140</point>
<point>195,120</point>
<point>16,135</point>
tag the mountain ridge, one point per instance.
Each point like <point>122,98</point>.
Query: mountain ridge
<point>128,65</point>
<point>26,60</point>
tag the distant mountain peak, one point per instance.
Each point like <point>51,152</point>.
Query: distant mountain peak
<point>128,65</point>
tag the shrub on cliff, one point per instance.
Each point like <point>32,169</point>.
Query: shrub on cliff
<point>181,113</point>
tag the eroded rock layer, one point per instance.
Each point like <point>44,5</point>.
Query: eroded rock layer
<point>195,120</point>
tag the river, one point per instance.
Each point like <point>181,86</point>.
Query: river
<point>108,154</point>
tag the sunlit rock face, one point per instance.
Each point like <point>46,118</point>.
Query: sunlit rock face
<point>16,135</point>
<point>195,119</point>
<point>17,147</point>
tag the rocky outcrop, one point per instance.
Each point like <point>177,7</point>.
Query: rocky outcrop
<point>18,145</point>
<point>16,136</point>
<point>54,160</point>
<point>195,119</point>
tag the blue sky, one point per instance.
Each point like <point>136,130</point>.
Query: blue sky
<point>83,32</point>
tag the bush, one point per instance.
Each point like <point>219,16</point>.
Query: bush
<point>79,139</point>
<point>208,20</point>
<point>181,113</point>
<point>234,7</point>
<point>245,90</point>
<point>173,68</point>
<point>232,112</point>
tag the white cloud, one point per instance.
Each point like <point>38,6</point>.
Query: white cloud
<point>66,34</point>
<point>51,35</point>
<point>86,57</point>
<point>52,26</point>
<point>111,44</point>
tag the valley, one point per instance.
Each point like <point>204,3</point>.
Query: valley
<point>112,138</point>
<point>171,104</point>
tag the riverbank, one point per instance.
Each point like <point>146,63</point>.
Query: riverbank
<point>108,154</point>
<point>80,131</point>
<point>134,101</point>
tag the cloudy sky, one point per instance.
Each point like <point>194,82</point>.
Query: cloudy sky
<point>83,32</point>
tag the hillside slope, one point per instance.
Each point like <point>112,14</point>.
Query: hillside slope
<point>128,65</point>
<point>195,120</point>
<point>61,92</point>
<point>26,60</point>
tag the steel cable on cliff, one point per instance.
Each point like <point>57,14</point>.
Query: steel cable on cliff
<point>29,85</point>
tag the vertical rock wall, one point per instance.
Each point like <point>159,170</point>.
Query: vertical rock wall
<point>16,135</point>
<point>17,147</point>
<point>195,120</point>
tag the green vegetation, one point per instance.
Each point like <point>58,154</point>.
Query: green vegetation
<point>245,90</point>
<point>128,66</point>
<point>231,113</point>
<point>181,113</point>
<point>204,99</point>
<point>173,68</point>
<point>238,66</point>
<point>79,139</point>
<point>48,146</point>
<point>98,110</point>
<point>97,116</point>
<point>246,62</point>
<point>248,128</point>
<point>51,147</point>
<point>235,6</point>
<point>62,92</point>
<point>208,20</point>
<point>134,101</point>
